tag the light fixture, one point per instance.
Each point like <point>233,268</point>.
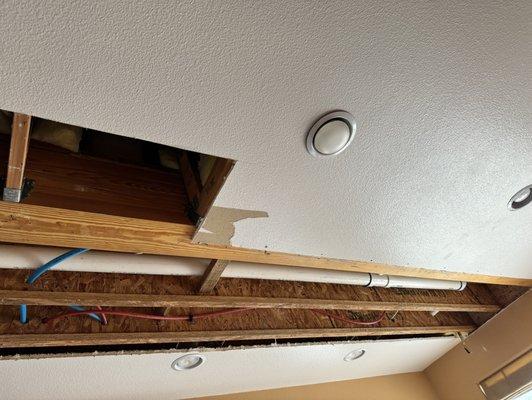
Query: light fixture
<point>188,361</point>
<point>331,134</point>
<point>354,355</point>
<point>521,198</point>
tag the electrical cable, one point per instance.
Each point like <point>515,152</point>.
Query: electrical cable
<point>192,317</point>
<point>350,321</point>
<point>189,317</point>
<point>93,315</point>
<point>41,270</point>
<point>104,318</point>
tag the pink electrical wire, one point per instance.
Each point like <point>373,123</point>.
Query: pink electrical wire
<point>348,320</point>
<point>102,316</point>
<point>190,317</point>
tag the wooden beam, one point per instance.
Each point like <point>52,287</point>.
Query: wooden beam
<point>20,137</point>
<point>212,275</point>
<point>220,170</point>
<point>97,231</point>
<point>93,339</point>
<point>29,224</point>
<point>16,297</point>
<point>192,183</point>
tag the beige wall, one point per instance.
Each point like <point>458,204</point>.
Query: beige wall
<point>455,376</point>
<point>412,386</point>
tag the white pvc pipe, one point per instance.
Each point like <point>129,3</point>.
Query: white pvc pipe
<point>17,256</point>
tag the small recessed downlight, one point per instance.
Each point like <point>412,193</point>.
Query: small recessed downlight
<point>188,361</point>
<point>331,134</point>
<point>521,198</point>
<point>354,355</point>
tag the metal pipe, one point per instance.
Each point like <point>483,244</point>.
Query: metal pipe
<point>18,256</point>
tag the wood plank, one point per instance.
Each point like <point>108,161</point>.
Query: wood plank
<point>212,275</point>
<point>192,183</point>
<point>29,224</point>
<point>221,169</point>
<point>16,297</point>
<point>92,339</point>
<point>20,137</point>
<point>98,231</point>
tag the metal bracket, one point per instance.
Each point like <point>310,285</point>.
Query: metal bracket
<point>17,195</point>
<point>12,195</point>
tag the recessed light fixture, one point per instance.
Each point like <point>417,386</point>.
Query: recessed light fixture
<point>188,361</point>
<point>331,134</point>
<point>354,355</point>
<point>521,198</point>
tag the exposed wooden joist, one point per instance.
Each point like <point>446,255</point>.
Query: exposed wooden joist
<point>20,137</point>
<point>212,275</point>
<point>16,297</point>
<point>29,224</point>
<point>191,181</point>
<point>221,169</point>
<point>92,339</point>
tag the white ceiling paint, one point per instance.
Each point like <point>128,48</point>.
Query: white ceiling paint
<point>149,376</point>
<point>440,92</point>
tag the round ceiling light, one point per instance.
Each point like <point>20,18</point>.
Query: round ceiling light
<point>331,134</point>
<point>354,355</point>
<point>521,198</point>
<point>188,361</point>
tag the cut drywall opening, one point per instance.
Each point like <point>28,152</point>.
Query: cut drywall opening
<point>81,169</point>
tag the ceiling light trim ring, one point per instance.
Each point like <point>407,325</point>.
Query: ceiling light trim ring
<point>354,355</point>
<point>176,364</point>
<point>520,199</point>
<point>343,116</point>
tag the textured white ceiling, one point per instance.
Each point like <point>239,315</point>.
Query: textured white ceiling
<point>149,376</point>
<point>440,92</point>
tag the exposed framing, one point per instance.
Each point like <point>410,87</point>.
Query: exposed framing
<point>264,309</point>
<point>212,275</point>
<point>16,297</point>
<point>29,224</point>
<point>91,339</point>
<point>20,137</point>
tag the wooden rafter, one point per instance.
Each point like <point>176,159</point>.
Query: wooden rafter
<point>221,169</point>
<point>92,339</point>
<point>191,181</point>
<point>29,224</point>
<point>212,275</point>
<point>16,297</point>
<point>20,137</point>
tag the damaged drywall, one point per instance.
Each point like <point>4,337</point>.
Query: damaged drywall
<point>219,225</point>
